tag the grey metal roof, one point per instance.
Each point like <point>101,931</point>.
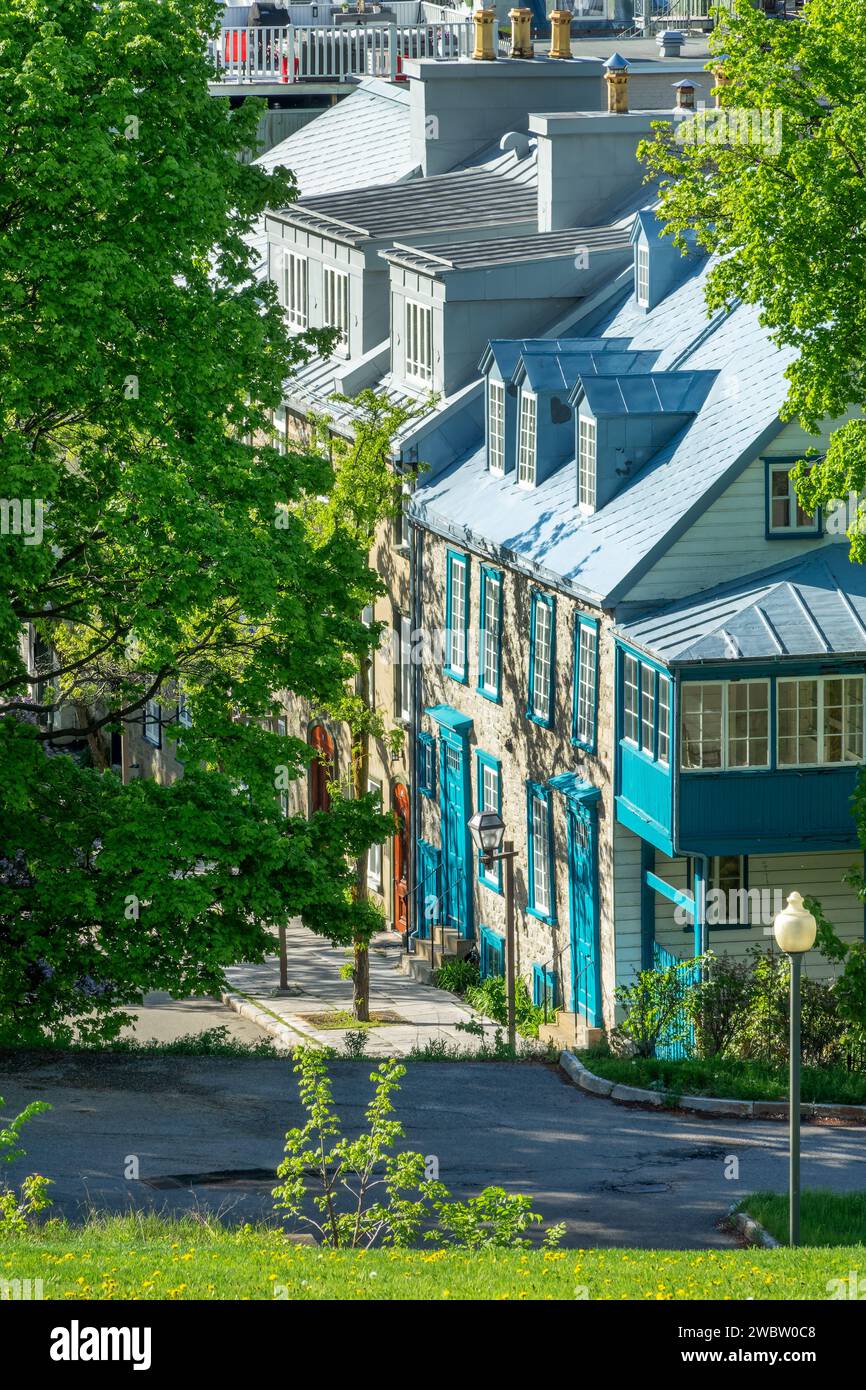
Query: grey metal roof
<point>447,201</point>
<point>362,140</point>
<point>471,255</point>
<point>812,607</point>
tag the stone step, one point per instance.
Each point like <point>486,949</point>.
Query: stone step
<point>570,1031</point>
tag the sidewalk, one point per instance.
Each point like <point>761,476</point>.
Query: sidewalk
<point>426,1014</point>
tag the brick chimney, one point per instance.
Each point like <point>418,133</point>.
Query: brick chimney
<point>484,20</point>
<point>616,78</point>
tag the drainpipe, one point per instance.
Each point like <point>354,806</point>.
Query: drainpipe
<point>414,726</point>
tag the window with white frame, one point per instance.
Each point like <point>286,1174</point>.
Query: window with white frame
<point>663,750</point>
<point>491,631</point>
<point>152,722</point>
<point>630,699</point>
<point>526,440</point>
<point>496,427</point>
<point>489,799</point>
<point>540,856</point>
<point>586,463</point>
<point>541,658</point>
<point>647,708</point>
<point>820,721</point>
<point>337,305</point>
<point>642,266</point>
<point>295,289</point>
<point>725,725</point>
<point>404,670</point>
<point>586,651</point>
<point>184,717</point>
<point>374,853</point>
<point>787,517</point>
<point>456,616</point>
<point>419,341</point>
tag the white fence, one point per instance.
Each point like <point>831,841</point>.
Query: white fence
<point>303,53</point>
<point>667,12</point>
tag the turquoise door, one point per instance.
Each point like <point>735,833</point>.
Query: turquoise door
<point>583,902</point>
<point>453,833</point>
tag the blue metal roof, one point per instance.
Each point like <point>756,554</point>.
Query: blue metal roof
<point>811,607</point>
<point>649,393</point>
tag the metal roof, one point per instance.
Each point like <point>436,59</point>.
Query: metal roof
<point>453,201</point>
<point>811,607</point>
<point>646,393</point>
<point>600,556</point>
<point>474,255</point>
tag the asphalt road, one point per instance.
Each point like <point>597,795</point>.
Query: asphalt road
<point>615,1175</point>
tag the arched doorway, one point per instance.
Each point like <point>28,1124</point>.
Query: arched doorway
<point>400,859</point>
<point>321,768</point>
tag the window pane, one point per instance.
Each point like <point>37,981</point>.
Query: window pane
<point>541,659</point>
<point>748,723</point>
<point>540,855</point>
<point>496,427</point>
<point>586,678</point>
<point>630,699</point>
<point>701,725</point>
<point>526,442</point>
<point>664,744</point>
<point>647,708</point>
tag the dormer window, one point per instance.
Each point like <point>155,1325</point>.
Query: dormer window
<point>419,342</point>
<point>586,463</point>
<point>295,289</point>
<point>496,427</point>
<point>526,440</point>
<point>337,305</point>
<point>642,274</point>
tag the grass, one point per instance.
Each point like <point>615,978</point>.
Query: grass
<point>211,1042</point>
<point>342,1018</point>
<point>149,1257</point>
<point>729,1077</point>
<point>826,1218</point>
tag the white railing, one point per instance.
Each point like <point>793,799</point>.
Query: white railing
<point>300,53</point>
<point>673,11</point>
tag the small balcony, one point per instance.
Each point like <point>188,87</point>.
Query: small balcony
<point>332,53</point>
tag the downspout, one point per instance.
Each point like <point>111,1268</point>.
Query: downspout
<point>415,574</point>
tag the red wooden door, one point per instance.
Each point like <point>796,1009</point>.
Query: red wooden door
<point>321,768</point>
<point>401,859</point>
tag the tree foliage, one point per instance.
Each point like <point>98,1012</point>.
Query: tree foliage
<point>780,198</point>
<point>141,359</point>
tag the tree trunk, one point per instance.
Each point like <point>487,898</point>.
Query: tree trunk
<point>361,983</point>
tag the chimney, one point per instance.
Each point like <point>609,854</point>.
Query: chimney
<point>560,34</point>
<point>484,52</point>
<point>616,77</point>
<point>685,91</point>
<point>521,37</point>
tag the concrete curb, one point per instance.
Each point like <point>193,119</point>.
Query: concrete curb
<point>705,1105</point>
<point>751,1230</point>
<point>282,1032</point>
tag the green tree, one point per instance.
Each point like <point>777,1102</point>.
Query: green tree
<point>367,493</point>
<point>780,197</point>
<point>140,364</point>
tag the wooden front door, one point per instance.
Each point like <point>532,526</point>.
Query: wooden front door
<point>401,859</point>
<point>321,768</point>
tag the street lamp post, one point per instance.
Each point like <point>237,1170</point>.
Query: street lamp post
<point>487,829</point>
<point>794,929</point>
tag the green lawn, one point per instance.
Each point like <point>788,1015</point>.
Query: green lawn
<point>729,1077</point>
<point>152,1258</point>
<point>826,1218</point>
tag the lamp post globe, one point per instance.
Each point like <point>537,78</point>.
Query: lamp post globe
<point>794,927</point>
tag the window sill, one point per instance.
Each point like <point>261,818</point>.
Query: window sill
<point>494,697</point>
<point>492,885</point>
<point>585,747</point>
<point>455,676</point>
<point>540,916</point>
<point>537,719</point>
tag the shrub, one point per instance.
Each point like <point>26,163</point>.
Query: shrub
<point>367,1192</point>
<point>656,1007</point>
<point>719,1004</point>
<point>17,1208</point>
<point>457,975</point>
<point>488,998</point>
